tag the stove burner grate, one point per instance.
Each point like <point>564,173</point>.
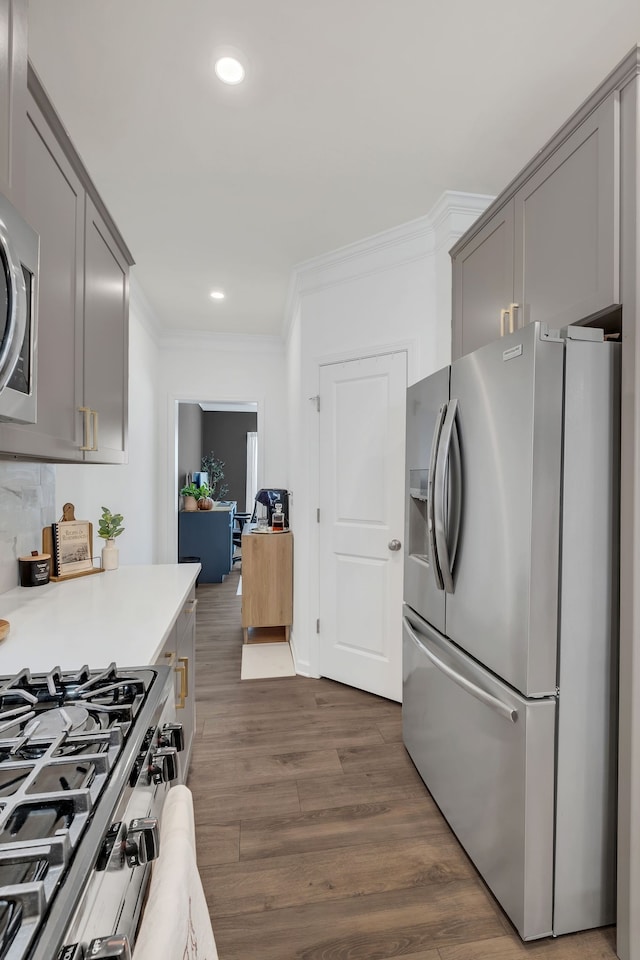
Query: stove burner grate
<point>10,923</point>
<point>37,821</point>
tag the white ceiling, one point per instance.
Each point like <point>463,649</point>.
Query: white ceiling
<point>354,117</point>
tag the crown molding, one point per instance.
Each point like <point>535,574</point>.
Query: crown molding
<point>449,217</point>
<point>418,231</point>
<point>455,213</point>
<point>405,243</point>
<point>454,203</point>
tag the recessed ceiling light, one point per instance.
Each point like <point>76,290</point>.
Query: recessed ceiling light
<point>229,70</point>
<point>217,295</point>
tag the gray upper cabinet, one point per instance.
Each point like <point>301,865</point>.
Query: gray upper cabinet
<point>55,209</point>
<point>483,284</point>
<point>547,249</point>
<point>566,226</point>
<point>83,306</point>
<point>13,91</point>
<point>106,337</point>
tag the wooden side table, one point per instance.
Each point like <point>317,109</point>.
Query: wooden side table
<point>267,580</point>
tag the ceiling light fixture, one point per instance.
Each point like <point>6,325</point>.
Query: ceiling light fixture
<point>217,295</point>
<point>229,70</point>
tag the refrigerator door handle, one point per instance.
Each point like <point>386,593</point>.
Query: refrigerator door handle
<point>455,503</point>
<point>431,524</point>
<point>503,709</point>
<point>448,464</point>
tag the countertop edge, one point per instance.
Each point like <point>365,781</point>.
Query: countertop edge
<point>124,615</point>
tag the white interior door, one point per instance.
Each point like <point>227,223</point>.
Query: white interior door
<point>362,443</point>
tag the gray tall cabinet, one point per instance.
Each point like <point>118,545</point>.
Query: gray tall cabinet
<point>561,244</point>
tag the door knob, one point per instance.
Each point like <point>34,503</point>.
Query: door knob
<point>394,545</point>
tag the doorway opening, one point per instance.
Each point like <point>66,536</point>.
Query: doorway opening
<point>227,432</point>
<point>216,468</point>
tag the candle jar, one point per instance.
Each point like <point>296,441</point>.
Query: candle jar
<point>35,569</point>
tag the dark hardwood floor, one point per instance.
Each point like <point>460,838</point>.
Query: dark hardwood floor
<point>317,839</point>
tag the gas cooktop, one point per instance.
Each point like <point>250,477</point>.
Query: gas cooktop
<point>62,736</point>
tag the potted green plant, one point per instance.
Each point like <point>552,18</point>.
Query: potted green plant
<point>110,527</point>
<point>191,494</point>
<point>204,500</point>
<point>214,467</point>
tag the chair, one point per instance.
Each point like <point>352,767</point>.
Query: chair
<point>239,521</point>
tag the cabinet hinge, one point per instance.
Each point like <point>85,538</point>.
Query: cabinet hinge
<point>318,515</point>
<point>318,625</point>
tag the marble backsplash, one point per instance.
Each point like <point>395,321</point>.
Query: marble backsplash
<point>27,504</point>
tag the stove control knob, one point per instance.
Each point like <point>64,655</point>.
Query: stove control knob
<point>72,951</point>
<point>142,845</point>
<point>164,765</point>
<point>172,735</point>
<point>115,946</point>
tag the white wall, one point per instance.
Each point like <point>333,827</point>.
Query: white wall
<point>387,292</point>
<point>220,368</point>
<point>130,489</point>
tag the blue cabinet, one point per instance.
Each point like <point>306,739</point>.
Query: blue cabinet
<point>208,535</point>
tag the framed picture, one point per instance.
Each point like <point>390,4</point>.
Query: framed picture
<point>72,547</point>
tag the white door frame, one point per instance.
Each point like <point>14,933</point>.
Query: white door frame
<point>411,348</point>
<point>170,499</point>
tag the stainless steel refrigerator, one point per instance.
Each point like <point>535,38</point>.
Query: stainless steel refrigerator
<point>511,616</point>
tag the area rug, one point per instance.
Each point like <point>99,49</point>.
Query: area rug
<point>263,660</point>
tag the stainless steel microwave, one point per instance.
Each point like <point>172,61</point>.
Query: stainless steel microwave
<point>19,261</point>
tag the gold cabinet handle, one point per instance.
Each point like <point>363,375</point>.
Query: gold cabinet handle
<point>94,416</point>
<point>190,608</point>
<point>182,670</point>
<point>170,657</point>
<point>185,662</point>
<point>503,314</point>
<point>512,313</point>
<point>86,412</point>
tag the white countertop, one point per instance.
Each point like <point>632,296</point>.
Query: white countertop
<point>123,615</point>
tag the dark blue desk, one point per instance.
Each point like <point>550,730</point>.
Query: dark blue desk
<point>208,534</point>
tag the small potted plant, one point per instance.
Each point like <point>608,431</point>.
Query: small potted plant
<point>205,501</point>
<point>191,494</point>
<point>110,527</point>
